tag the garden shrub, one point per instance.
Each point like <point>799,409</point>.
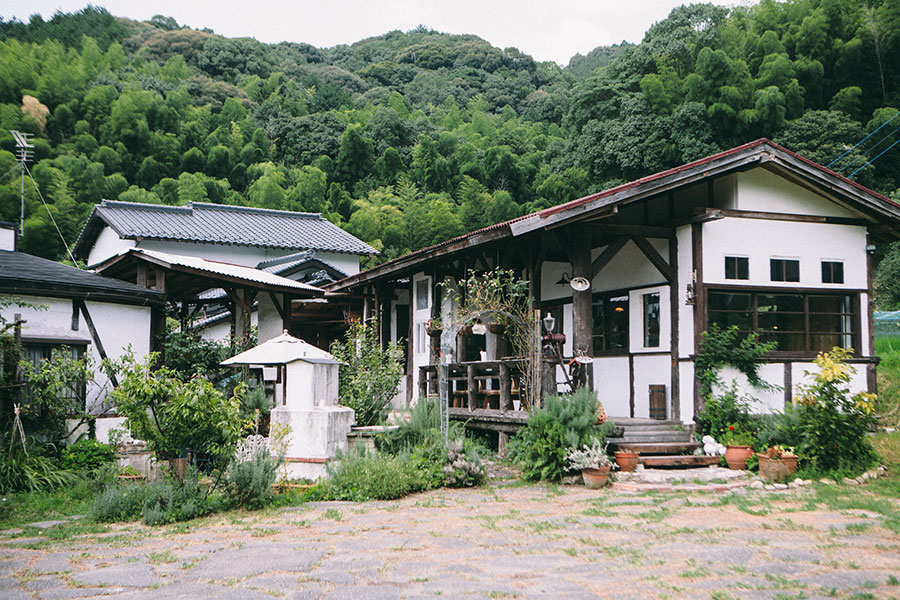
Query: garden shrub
<point>371,374</point>
<point>721,412</point>
<point>834,424</point>
<point>87,455</point>
<point>464,467</point>
<point>118,502</point>
<point>358,477</point>
<point>539,448</point>
<point>31,473</point>
<point>424,420</point>
<point>249,482</point>
<point>171,500</point>
<point>779,429</point>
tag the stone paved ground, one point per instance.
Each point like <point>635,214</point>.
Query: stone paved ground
<point>508,540</point>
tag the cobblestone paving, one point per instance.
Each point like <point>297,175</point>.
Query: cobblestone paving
<point>508,540</point>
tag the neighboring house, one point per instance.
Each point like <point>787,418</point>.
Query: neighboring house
<point>232,234</point>
<point>83,311</point>
<point>755,236</point>
<point>303,247</point>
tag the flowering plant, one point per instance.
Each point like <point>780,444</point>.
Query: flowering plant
<point>588,457</point>
<point>736,436</point>
<point>778,451</point>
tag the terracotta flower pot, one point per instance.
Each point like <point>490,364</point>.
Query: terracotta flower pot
<point>776,469</point>
<point>595,478</point>
<point>626,460</point>
<point>736,457</point>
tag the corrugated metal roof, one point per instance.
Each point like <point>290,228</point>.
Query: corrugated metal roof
<point>219,268</point>
<point>220,224</point>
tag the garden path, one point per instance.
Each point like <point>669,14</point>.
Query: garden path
<point>507,540</point>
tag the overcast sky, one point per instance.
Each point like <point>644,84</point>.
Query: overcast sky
<point>545,29</point>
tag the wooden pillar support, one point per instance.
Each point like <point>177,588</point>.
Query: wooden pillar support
<point>582,319</point>
<point>699,303</point>
<point>470,387</point>
<point>505,397</point>
<point>675,328</point>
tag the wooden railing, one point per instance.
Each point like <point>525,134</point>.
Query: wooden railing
<point>483,385</point>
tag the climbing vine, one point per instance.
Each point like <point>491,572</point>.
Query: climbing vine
<point>720,347</point>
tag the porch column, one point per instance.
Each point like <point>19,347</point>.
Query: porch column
<point>582,319</point>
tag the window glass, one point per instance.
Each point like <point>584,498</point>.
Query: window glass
<point>832,272</point>
<point>610,323</point>
<point>651,320</point>
<point>783,269</point>
<point>737,267</point>
<point>422,294</point>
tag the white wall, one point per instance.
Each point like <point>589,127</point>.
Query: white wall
<point>269,321</point>
<point>764,191</point>
<point>221,330</point>
<point>7,237</point>
<point>119,327</point>
<point>650,370</point>
<point>108,244</point>
<point>348,263</point>
<point>613,386</point>
<point>420,341</point>
<point>760,240</point>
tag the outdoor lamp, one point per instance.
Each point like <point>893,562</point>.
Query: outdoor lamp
<point>549,323</point>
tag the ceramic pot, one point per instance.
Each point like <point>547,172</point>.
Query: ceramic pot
<point>595,478</point>
<point>736,457</point>
<point>626,460</point>
<point>776,469</point>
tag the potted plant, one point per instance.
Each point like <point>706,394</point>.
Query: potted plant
<point>626,460</point>
<point>777,463</point>
<point>592,461</point>
<point>738,446</point>
<point>434,327</point>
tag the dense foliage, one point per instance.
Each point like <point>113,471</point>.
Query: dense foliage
<point>566,422</point>
<point>370,374</point>
<point>409,138</point>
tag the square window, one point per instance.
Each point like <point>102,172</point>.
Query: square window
<point>784,269</point>
<point>737,267</point>
<point>832,272</point>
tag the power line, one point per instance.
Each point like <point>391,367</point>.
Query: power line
<point>41,196</point>
<point>873,160</point>
<point>878,143</point>
<point>863,140</point>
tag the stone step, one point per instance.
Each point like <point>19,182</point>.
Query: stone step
<point>651,448</point>
<point>678,460</point>
<point>661,436</point>
<point>629,422</point>
<point>675,427</point>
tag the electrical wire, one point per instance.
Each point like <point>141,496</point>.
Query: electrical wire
<point>863,140</point>
<point>873,160</point>
<point>41,196</point>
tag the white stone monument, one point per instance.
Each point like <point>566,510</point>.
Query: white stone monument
<point>306,400</point>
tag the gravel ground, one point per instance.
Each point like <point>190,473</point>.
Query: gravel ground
<point>507,540</point>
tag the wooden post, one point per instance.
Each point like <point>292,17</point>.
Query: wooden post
<point>674,321</point>
<point>470,387</point>
<point>582,317</point>
<point>548,380</point>
<point>502,439</point>
<point>423,382</point>
<point>699,303</point>
<point>505,398</point>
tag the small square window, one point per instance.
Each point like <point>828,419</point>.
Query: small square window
<point>832,272</point>
<point>737,267</point>
<point>783,269</point>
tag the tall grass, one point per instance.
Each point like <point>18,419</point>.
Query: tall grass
<point>888,349</point>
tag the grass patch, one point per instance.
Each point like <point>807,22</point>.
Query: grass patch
<point>28,507</point>
<point>333,514</point>
<point>164,557</point>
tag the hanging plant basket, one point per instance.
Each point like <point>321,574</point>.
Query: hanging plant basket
<point>496,328</point>
<point>434,332</point>
<point>465,331</point>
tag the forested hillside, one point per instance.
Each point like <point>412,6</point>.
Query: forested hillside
<point>407,139</point>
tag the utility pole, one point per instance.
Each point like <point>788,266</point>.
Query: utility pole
<point>24,153</point>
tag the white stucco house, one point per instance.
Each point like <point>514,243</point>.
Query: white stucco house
<point>83,311</point>
<point>756,237</point>
<point>303,247</point>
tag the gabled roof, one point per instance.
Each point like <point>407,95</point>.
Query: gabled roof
<point>286,265</point>
<point>23,274</point>
<point>218,224</point>
<point>205,272</point>
<point>878,210</point>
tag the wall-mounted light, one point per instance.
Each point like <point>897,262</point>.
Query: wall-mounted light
<point>870,248</point>
<point>689,295</point>
<point>549,323</point>
<point>564,279</point>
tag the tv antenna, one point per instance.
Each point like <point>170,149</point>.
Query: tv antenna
<point>24,153</point>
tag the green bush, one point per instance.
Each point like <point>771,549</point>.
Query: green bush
<point>31,473</point>
<point>359,477</point>
<point>88,455</point>
<point>118,502</point>
<point>835,424</point>
<point>171,501</point>
<point>721,412</point>
<point>779,429</point>
<point>464,467</point>
<point>539,448</point>
<point>424,420</point>
<point>249,483</point>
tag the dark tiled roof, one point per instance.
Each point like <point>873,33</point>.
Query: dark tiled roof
<point>298,259</point>
<point>24,274</point>
<point>219,224</point>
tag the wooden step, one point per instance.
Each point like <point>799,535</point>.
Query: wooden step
<point>656,436</point>
<point>651,448</point>
<point>678,460</point>
<point>629,422</point>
